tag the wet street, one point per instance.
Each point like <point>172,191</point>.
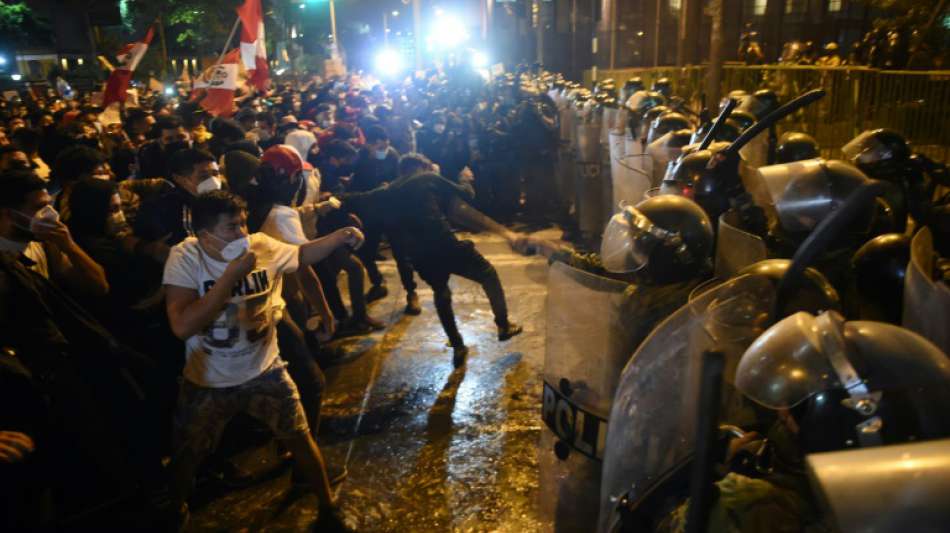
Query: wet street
<point>428,447</point>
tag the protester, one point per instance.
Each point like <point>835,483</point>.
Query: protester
<point>233,363</point>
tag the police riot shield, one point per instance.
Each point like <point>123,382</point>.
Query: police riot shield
<point>912,480</point>
<point>651,424</point>
<point>628,182</point>
<point>564,177</point>
<point>589,175</point>
<point>585,351</point>
<point>756,152</point>
<point>926,301</point>
<point>735,247</point>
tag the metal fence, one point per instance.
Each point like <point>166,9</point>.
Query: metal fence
<point>915,103</point>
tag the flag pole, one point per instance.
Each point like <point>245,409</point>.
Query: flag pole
<point>228,42</point>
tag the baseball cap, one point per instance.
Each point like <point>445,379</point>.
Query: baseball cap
<point>285,160</point>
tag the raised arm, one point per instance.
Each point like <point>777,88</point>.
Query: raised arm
<point>189,313</point>
<point>318,249</point>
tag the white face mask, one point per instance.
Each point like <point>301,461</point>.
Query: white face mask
<point>234,249</point>
<point>381,154</point>
<point>439,128</point>
<point>44,218</point>
<point>211,184</point>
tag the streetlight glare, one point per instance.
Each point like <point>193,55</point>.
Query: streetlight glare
<point>448,31</point>
<point>395,13</point>
<point>479,59</point>
<point>388,62</point>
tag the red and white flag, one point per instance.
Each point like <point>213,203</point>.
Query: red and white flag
<point>219,83</point>
<point>129,57</point>
<point>253,53</point>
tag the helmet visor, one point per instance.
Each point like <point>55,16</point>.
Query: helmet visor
<point>663,150</point>
<point>627,242</point>
<point>867,149</point>
<point>799,193</point>
<point>787,364</point>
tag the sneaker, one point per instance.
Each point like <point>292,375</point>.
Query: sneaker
<point>376,292</point>
<point>508,331</point>
<point>459,355</point>
<point>412,304</point>
<point>363,326</point>
<point>331,519</point>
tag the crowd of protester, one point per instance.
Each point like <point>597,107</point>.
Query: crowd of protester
<point>892,48</point>
<point>113,234</point>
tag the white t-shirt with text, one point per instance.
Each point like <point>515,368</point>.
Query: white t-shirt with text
<point>241,343</point>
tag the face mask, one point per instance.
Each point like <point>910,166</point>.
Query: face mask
<point>381,154</point>
<point>117,225</point>
<point>42,219</point>
<point>439,128</point>
<point>211,184</point>
<point>234,249</point>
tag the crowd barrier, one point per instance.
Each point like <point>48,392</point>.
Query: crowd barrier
<point>915,103</point>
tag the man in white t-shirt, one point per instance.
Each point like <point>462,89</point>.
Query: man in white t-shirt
<point>223,297</point>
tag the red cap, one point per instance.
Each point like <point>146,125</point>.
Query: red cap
<point>285,160</point>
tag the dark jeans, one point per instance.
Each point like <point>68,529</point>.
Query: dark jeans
<point>303,370</point>
<point>462,259</point>
<point>329,269</point>
<point>367,254</point>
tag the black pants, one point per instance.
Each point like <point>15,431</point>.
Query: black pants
<point>367,254</point>
<point>303,370</point>
<point>329,269</point>
<point>461,259</point>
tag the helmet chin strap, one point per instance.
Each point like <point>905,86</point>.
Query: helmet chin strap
<point>860,398</point>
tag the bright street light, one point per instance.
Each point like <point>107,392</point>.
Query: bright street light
<point>395,13</point>
<point>479,59</point>
<point>448,31</point>
<point>388,62</point>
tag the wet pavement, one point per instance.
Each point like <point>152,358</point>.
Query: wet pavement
<point>428,447</point>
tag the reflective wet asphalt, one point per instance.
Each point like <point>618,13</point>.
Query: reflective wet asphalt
<point>428,447</point>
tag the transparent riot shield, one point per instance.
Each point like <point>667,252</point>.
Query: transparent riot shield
<point>566,154</point>
<point>926,301</point>
<point>735,247</point>
<point>651,425</point>
<point>587,346</point>
<point>588,178</point>
<point>629,182</point>
<point>756,151</point>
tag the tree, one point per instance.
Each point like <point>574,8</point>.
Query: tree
<point>193,26</point>
<point>20,26</point>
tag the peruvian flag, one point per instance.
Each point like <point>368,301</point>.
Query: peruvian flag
<point>253,53</point>
<point>128,57</point>
<point>219,83</point>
